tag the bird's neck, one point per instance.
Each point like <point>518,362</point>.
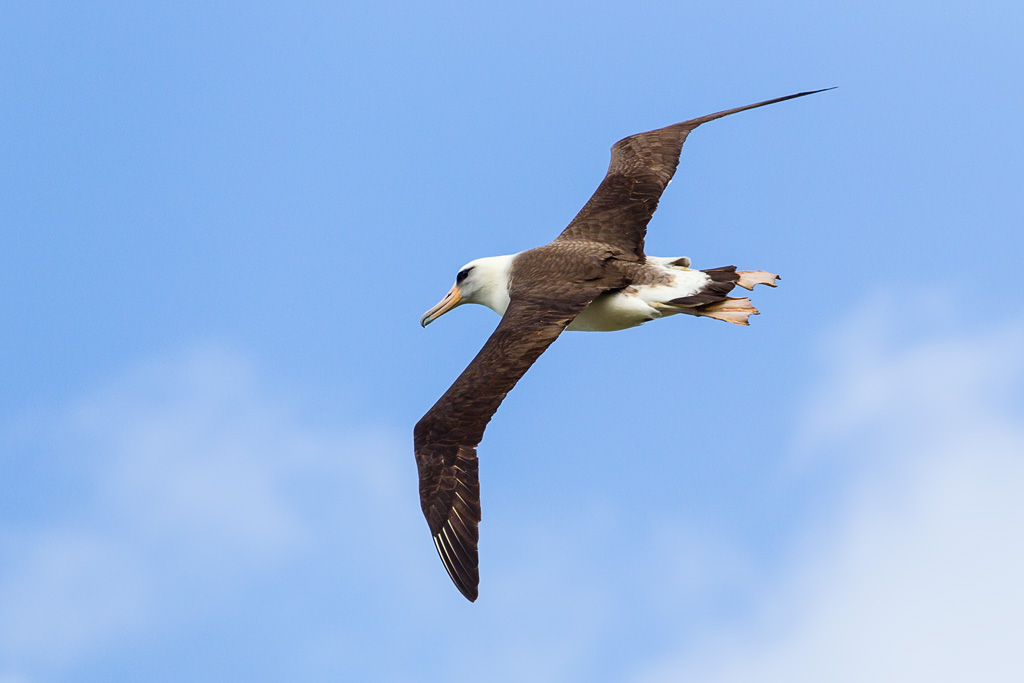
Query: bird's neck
<point>494,293</point>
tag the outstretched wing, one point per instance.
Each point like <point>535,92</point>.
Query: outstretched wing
<point>447,436</point>
<point>641,167</point>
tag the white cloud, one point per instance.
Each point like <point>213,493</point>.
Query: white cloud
<point>194,482</point>
<point>919,577</point>
<point>67,590</point>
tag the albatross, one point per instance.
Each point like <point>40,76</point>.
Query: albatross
<point>595,277</point>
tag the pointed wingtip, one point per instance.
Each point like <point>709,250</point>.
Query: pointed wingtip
<point>693,123</point>
<point>469,590</point>
<point>812,92</point>
<point>461,565</point>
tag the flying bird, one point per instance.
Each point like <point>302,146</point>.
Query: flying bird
<point>594,277</point>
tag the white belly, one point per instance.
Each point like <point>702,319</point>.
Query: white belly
<point>634,306</point>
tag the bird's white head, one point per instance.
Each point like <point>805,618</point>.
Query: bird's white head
<point>483,281</point>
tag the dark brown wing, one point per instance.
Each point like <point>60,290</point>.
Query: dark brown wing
<point>447,436</point>
<point>641,167</point>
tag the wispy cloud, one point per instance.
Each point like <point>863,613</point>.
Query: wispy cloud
<point>918,577</point>
<point>195,483</point>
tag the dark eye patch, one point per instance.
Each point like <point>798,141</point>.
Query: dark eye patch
<point>462,274</point>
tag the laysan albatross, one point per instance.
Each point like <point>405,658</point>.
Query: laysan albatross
<point>594,277</point>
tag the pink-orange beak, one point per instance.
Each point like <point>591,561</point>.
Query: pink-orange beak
<point>450,301</point>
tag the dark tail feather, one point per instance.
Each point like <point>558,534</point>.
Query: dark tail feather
<point>722,282</point>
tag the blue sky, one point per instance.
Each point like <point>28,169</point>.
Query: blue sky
<point>220,225</point>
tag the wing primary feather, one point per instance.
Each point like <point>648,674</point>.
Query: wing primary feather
<point>456,546</point>
<point>465,578</point>
<point>693,123</point>
<point>450,558</point>
<point>459,582</point>
<point>445,560</point>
